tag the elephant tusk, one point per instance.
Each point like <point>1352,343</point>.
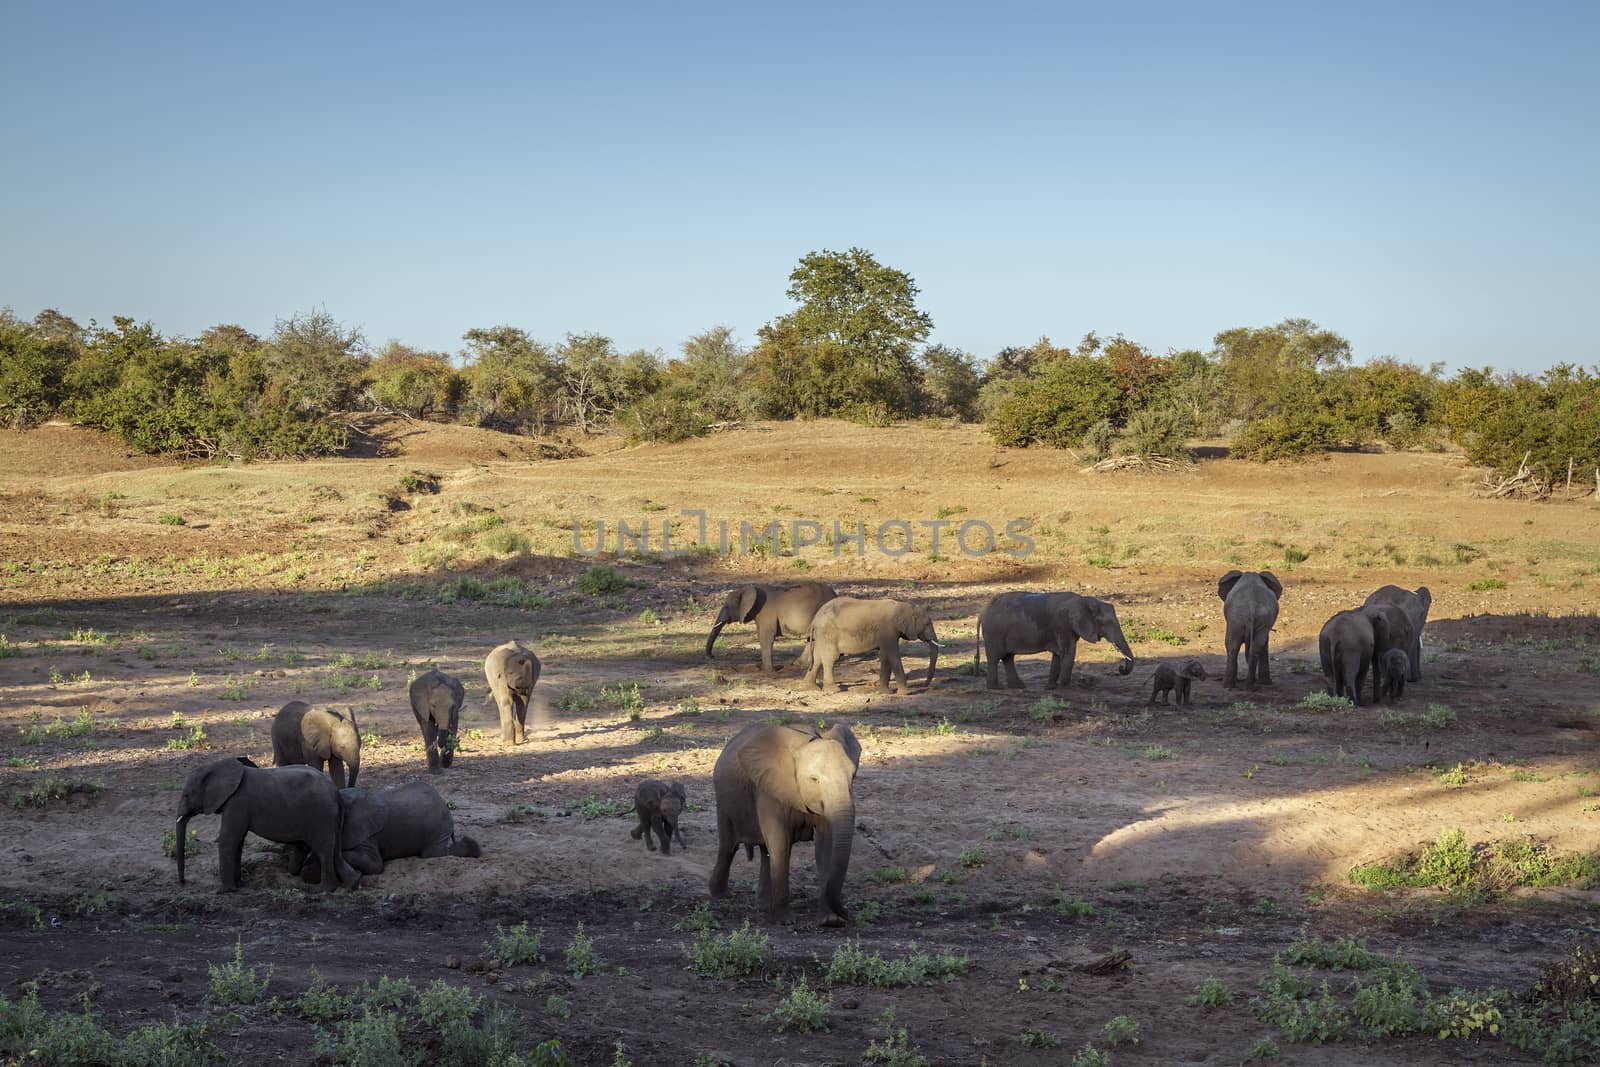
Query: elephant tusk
<point>936,644</point>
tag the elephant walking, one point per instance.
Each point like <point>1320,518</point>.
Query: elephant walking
<point>781,610</point>
<point>1350,644</point>
<point>776,785</point>
<point>848,625</point>
<point>318,737</point>
<point>1415,605</point>
<point>436,700</point>
<point>1250,609</point>
<point>512,672</point>
<point>1014,624</point>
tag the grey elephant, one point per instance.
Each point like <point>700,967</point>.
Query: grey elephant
<point>1351,644</point>
<point>436,700</point>
<point>402,821</point>
<point>848,625</point>
<point>1167,679</point>
<point>776,785</point>
<point>1250,610</point>
<point>319,737</point>
<point>1014,624</point>
<point>1415,605</point>
<point>660,805</point>
<point>512,672</point>
<point>1393,666</point>
<point>778,610</point>
<point>290,805</point>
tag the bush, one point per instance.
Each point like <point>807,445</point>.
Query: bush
<point>419,384</point>
<point>1155,432</point>
<point>1057,407</point>
<point>600,580</point>
<point>665,416</point>
<point>731,955</point>
<point>802,1010</point>
<point>1288,436</point>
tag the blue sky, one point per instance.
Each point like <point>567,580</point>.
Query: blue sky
<point>1422,179</point>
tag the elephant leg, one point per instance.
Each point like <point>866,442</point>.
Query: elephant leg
<point>1263,671</point>
<point>816,665</point>
<point>897,664</point>
<point>828,684</point>
<point>1055,671</point>
<point>727,848</point>
<point>1230,674</point>
<point>297,857</point>
<point>228,851</point>
<point>884,669</point>
<point>638,831</point>
<point>664,832</point>
<point>447,747</point>
<point>430,741</point>
<point>1414,674</point>
<point>522,716</point>
<point>776,870</point>
<point>804,659</point>
<point>766,633</point>
<point>508,719</point>
<point>992,673</point>
<point>1013,679</point>
<point>1069,656</point>
<point>367,859</point>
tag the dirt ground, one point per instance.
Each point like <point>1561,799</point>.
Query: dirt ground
<point>1034,836</point>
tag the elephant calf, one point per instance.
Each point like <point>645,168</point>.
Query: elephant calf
<point>1165,680</point>
<point>436,700</point>
<point>512,672</point>
<point>660,805</point>
<point>400,822</point>
<point>847,625</point>
<point>1250,609</point>
<point>318,737</point>
<point>1393,669</point>
<point>1350,644</point>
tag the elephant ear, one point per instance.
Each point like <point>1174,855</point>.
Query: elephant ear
<point>1272,583</point>
<point>222,780</point>
<point>841,733</point>
<point>677,789</point>
<point>1226,583</point>
<point>768,761</point>
<point>1425,598</point>
<point>1080,616</point>
<point>316,731</point>
<point>750,601</point>
<point>1380,633</point>
<point>362,815</point>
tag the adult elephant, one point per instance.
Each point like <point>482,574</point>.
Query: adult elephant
<point>291,805</point>
<point>779,784</point>
<point>400,822</point>
<point>512,672</point>
<point>1014,624</point>
<point>848,625</point>
<point>318,737</point>
<point>1250,610</point>
<point>779,610</point>
<point>436,700</point>
<point>1350,644</point>
<point>1415,604</point>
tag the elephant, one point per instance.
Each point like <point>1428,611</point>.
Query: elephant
<point>512,671</point>
<point>1392,670</point>
<point>318,737</point>
<point>1166,680</point>
<point>782,610</point>
<point>294,805</point>
<point>660,805</point>
<point>379,825</point>
<point>436,700</point>
<point>1351,643</point>
<point>1015,624</point>
<point>1415,605</point>
<point>776,785</point>
<point>1250,609</point>
<point>847,625</point>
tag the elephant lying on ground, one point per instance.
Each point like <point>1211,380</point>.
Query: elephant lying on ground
<point>292,805</point>
<point>776,785</point>
<point>317,737</point>
<point>1415,605</point>
<point>1351,644</point>
<point>781,610</point>
<point>512,672</point>
<point>1014,624</point>
<point>392,824</point>
<point>1250,609</point>
<point>436,700</point>
<point>660,805</point>
<point>848,625</point>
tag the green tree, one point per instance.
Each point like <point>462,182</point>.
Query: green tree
<point>1266,367</point>
<point>597,382</point>
<point>512,380</point>
<point>1057,406</point>
<point>950,383</point>
<point>317,362</point>
<point>420,384</point>
<point>35,358</point>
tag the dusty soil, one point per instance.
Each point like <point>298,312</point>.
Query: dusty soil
<point>1204,838</point>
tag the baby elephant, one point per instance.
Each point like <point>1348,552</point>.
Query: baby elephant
<point>1166,680</point>
<point>1393,669</point>
<point>660,805</point>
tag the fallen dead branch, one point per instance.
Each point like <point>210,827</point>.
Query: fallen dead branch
<point>1165,464</point>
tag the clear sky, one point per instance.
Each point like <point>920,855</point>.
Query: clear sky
<point>1421,178</point>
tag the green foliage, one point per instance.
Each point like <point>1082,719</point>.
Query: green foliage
<point>516,946</point>
<point>1057,408</point>
<point>1301,1017</point>
<point>731,955</point>
<point>582,960</point>
<point>895,1050</point>
<point>803,1009</point>
<point>1036,1037</point>
<point>234,983</point>
<point>1155,433</point>
<point>52,788</point>
<point>601,580</point>
<point>503,542</point>
<point>371,1039</point>
<point>950,384</point>
<point>321,1002</point>
<point>1211,993</point>
<point>1121,1030</point>
<point>1550,419</point>
<point>420,384</point>
<point>1449,863</point>
<point>549,1054</point>
<point>1342,954</point>
<point>852,966</point>
<point>169,843</point>
<point>1089,1056</point>
<point>1289,436</point>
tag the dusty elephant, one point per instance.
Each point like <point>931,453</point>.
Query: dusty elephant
<point>436,700</point>
<point>776,785</point>
<point>1167,679</point>
<point>379,825</point>
<point>1350,644</point>
<point>848,625</point>
<point>292,805</point>
<point>1415,605</point>
<point>1250,610</point>
<point>659,805</point>
<point>512,672</point>
<point>1014,624</point>
<point>779,610</point>
<point>1393,667</point>
<point>318,737</point>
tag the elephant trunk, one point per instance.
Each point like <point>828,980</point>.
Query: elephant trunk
<point>183,833</point>
<point>1121,644</point>
<point>716,630</point>
<point>354,766</point>
<point>466,846</point>
<point>840,828</point>
<point>933,659</point>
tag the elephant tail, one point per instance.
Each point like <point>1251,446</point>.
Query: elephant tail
<point>466,846</point>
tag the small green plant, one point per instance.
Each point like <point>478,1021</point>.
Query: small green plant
<point>803,1009</point>
<point>1121,1030</point>
<point>600,808</point>
<point>895,1050</point>
<point>582,960</point>
<point>1438,716</point>
<point>1454,777</point>
<point>233,983</point>
<point>1264,1048</point>
<point>443,1005</point>
<point>601,580</point>
<point>8,649</point>
<point>1035,1037</point>
<point>973,858</point>
<point>1485,585</point>
<point>1072,907</point>
<point>731,955</point>
<point>371,1039</point>
<point>517,945</point>
<point>558,1006</point>
<point>321,1002</point>
<point>505,542</point>
<point>1045,709</point>
<point>52,788</point>
<point>851,965</point>
<point>624,698</point>
<point>889,875</point>
<point>169,519</point>
<point>1211,993</point>
<point>195,738</point>
<point>1320,701</point>
<point>700,920</point>
<point>169,842</point>
<point>1089,1056</point>
<point>1154,753</point>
